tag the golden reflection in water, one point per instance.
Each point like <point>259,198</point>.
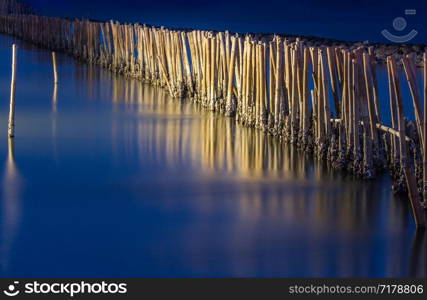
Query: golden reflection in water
<point>11,189</point>
<point>418,264</point>
<point>54,98</point>
<point>186,135</point>
<point>158,128</point>
<point>54,119</point>
<point>276,182</point>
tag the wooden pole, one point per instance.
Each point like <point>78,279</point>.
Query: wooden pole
<point>394,156</point>
<point>416,97</point>
<point>305,105</point>
<point>279,101</point>
<point>320,138</point>
<point>55,71</point>
<point>370,98</point>
<point>409,175</point>
<point>334,83</point>
<point>231,107</point>
<point>272,48</point>
<point>325,96</point>
<point>374,81</point>
<point>11,127</point>
<point>349,102</point>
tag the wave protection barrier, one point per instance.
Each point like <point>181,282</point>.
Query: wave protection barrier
<point>14,7</point>
<point>323,99</point>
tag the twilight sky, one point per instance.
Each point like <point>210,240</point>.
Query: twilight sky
<point>344,20</point>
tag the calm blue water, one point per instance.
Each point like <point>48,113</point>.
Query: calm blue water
<point>109,177</point>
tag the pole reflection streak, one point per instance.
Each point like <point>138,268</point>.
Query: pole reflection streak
<point>11,206</point>
<point>278,183</point>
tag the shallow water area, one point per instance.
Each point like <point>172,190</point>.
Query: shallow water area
<point>110,177</point>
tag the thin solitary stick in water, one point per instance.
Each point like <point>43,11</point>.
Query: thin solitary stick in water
<point>55,72</point>
<point>11,127</point>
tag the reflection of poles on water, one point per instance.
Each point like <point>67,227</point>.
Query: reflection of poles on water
<point>299,189</point>
<point>265,85</point>
<point>54,119</point>
<point>418,263</point>
<point>54,98</point>
<point>10,165</point>
<point>11,188</point>
<point>179,136</point>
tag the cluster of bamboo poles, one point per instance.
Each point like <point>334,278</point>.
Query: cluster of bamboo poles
<point>324,99</point>
<point>14,7</point>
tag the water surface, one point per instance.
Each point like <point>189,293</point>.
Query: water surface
<point>109,177</point>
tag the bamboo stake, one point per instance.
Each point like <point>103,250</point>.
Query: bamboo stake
<point>165,77</point>
<point>279,101</point>
<point>349,102</point>
<point>355,112</point>
<point>213,75</point>
<point>231,107</point>
<point>271,83</point>
<point>55,72</point>
<point>253,83</point>
<point>369,127</point>
<point>264,99</point>
<point>288,76</point>
<point>413,85</point>
<point>339,60</point>
<point>325,95</point>
<point>305,106</point>
<point>257,84</point>
<point>409,175</point>
<point>11,126</point>
<point>294,96</point>
<point>375,82</point>
<point>394,141</point>
<point>321,136</point>
<point>370,98</point>
<point>334,83</point>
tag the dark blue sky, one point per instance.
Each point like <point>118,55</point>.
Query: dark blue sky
<point>345,20</point>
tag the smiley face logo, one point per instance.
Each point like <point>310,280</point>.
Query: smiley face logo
<point>12,291</point>
<point>400,24</point>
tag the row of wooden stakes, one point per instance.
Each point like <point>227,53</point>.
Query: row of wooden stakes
<point>324,99</point>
